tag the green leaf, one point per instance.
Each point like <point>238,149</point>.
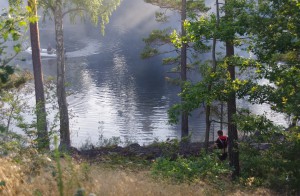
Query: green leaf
<point>22,23</point>
<point>16,35</point>
<point>17,48</point>
<point>5,36</point>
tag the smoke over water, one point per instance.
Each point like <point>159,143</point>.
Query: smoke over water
<point>115,93</point>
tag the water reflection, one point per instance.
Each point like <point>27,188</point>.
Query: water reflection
<point>114,92</point>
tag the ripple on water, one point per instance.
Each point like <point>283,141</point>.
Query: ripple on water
<point>120,29</point>
<point>91,47</point>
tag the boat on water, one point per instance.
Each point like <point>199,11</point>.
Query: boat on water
<point>44,52</point>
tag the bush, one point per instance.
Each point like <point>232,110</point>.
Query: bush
<point>10,142</point>
<point>190,169</point>
<point>276,167</point>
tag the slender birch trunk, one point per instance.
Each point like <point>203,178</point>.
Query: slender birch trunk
<point>65,141</point>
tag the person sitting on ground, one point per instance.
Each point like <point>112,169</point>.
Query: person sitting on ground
<point>221,143</point>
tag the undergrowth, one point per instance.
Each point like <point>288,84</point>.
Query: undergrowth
<point>204,167</point>
<point>276,167</point>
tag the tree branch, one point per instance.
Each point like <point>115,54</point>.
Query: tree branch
<point>6,61</point>
<point>219,122</point>
<point>73,10</point>
<point>81,9</point>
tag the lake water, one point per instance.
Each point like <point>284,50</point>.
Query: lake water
<point>115,93</point>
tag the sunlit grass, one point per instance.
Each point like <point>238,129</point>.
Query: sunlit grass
<point>28,178</point>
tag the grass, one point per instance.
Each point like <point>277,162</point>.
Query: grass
<point>25,171</point>
<point>37,175</point>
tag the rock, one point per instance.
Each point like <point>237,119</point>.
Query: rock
<point>147,152</point>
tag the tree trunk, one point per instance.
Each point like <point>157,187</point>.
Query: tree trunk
<point>214,68</point>
<point>231,107</point>
<point>42,133</point>
<point>221,115</point>
<point>214,59</point>
<point>65,141</point>
<point>207,123</point>
<point>232,129</point>
<point>184,115</point>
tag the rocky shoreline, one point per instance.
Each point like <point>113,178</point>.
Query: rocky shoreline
<point>149,152</point>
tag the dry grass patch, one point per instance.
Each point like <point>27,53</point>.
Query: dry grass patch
<point>18,180</point>
<point>22,179</point>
